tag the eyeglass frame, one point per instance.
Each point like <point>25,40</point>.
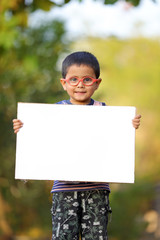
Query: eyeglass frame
<point>81,80</point>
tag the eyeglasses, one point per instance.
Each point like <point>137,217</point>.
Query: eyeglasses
<point>86,81</point>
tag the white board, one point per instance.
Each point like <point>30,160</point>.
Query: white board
<point>75,143</point>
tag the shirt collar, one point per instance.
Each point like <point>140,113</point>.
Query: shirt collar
<point>91,102</point>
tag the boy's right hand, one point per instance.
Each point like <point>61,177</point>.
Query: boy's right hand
<point>17,124</point>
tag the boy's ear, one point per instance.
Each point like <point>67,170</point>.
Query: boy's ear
<point>63,84</point>
<point>98,82</point>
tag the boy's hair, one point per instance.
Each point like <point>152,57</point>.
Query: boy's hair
<point>81,58</point>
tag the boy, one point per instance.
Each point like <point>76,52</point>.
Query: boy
<point>80,208</point>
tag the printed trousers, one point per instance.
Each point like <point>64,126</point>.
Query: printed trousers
<point>76,214</point>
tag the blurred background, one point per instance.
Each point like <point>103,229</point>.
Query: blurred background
<point>35,36</point>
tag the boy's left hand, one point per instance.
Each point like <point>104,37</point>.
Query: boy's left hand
<point>136,121</point>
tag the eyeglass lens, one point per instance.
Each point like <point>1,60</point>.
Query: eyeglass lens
<point>86,81</point>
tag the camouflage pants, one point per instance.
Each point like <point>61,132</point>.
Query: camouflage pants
<point>76,214</point>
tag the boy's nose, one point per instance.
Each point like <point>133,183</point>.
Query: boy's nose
<point>80,84</point>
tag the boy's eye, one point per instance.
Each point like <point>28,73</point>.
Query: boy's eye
<point>87,80</point>
<point>73,80</point>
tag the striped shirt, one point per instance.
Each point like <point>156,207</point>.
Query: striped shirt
<point>64,186</point>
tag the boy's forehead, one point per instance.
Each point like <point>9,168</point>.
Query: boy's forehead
<point>80,69</point>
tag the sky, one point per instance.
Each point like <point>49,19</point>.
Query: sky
<point>96,19</point>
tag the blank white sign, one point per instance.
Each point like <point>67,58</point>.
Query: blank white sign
<point>75,143</point>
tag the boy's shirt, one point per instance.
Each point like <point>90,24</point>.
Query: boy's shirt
<point>64,186</point>
<point>92,102</point>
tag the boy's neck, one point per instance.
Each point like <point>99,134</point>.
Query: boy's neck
<point>90,102</point>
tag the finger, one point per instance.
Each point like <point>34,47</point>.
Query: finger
<point>138,116</point>
<point>18,124</point>
<point>16,131</point>
<point>136,120</point>
<point>17,121</point>
<point>136,126</point>
<point>16,127</point>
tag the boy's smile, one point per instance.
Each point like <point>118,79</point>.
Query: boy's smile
<point>80,94</point>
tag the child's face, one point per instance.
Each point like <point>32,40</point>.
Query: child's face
<point>80,94</point>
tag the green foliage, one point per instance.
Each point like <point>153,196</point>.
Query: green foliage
<point>41,4</point>
<point>110,1</point>
<point>130,77</point>
<point>28,73</point>
<point>129,204</point>
<point>14,15</point>
<point>134,2</point>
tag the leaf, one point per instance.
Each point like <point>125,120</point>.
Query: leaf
<point>110,1</point>
<point>134,2</point>
<point>41,4</point>
<point>66,1</point>
<point>7,38</point>
<point>22,18</point>
<point>30,63</point>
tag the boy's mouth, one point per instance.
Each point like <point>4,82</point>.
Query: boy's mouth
<point>79,92</point>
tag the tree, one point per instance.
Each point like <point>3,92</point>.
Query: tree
<point>28,72</point>
<point>14,15</point>
<point>28,69</point>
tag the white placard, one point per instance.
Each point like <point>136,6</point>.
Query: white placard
<point>75,143</point>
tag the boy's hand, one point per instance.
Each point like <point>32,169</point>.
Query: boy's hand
<point>17,124</point>
<point>136,121</point>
